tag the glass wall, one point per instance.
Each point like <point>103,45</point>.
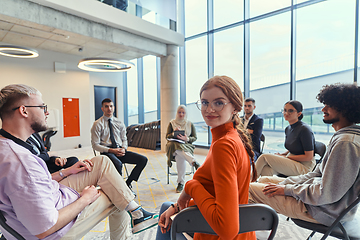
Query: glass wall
<point>279,54</point>
<point>228,56</point>
<point>132,93</point>
<point>300,51</point>
<point>233,10</point>
<point>150,89</point>
<point>195,17</point>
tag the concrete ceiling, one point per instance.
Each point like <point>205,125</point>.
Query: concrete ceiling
<point>28,34</point>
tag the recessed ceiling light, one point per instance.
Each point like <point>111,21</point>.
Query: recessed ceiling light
<point>19,52</point>
<point>105,65</point>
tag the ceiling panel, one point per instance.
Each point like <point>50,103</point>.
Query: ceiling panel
<point>2,34</point>
<point>31,31</point>
<point>57,46</point>
<point>22,40</point>
<point>5,25</point>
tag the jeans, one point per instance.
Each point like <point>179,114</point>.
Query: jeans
<point>167,235</point>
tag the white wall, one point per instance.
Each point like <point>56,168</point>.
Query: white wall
<point>75,83</point>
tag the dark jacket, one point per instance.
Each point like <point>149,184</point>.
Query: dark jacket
<point>256,123</point>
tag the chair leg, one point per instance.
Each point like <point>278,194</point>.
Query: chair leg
<point>127,173</point>
<point>311,235</point>
<point>168,174</point>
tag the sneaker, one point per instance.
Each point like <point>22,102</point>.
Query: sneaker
<point>196,165</point>
<point>147,221</point>
<point>179,188</point>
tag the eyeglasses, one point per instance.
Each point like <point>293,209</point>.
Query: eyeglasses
<point>216,105</point>
<point>42,106</point>
<point>290,111</point>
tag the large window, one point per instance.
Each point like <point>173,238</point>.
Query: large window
<point>270,74</point>
<point>325,53</point>
<point>233,10</point>
<point>196,67</point>
<point>196,76</point>
<point>323,35</point>
<point>195,17</point>
<point>269,52</point>
<point>132,93</point>
<point>228,56</point>
<point>150,89</point>
<point>259,7</point>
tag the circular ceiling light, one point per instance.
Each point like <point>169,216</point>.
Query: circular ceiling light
<point>105,65</point>
<point>19,52</point>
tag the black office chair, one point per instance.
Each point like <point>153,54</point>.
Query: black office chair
<point>262,143</point>
<point>8,228</point>
<point>337,229</point>
<point>319,149</point>
<point>253,217</point>
<point>46,138</point>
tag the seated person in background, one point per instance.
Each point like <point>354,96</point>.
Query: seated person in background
<point>39,205</point>
<point>253,125</point>
<point>222,181</point>
<point>182,152</point>
<point>108,136</point>
<point>299,142</point>
<point>53,163</point>
<point>321,195</point>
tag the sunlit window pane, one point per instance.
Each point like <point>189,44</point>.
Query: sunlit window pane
<point>195,17</point>
<point>196,76</point>
<point>259,7</point>
<point>270,52</point>
<point>132,89</point>
<point>270,74</point>
<point>227,12</point>
<point>196,67</point>
<point>229,54</point>
<point>150,88</point>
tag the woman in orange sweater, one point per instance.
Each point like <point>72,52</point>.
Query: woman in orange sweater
<point>222,182</point>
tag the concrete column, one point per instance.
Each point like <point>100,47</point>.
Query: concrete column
<point>169,89</point>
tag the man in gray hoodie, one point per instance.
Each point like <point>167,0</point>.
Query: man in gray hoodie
<point>321,195</point>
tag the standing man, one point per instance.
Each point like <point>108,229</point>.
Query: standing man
<point>320,196</point>
<point>253,124</point>
<point>65,204</point>
<point>108,136</point>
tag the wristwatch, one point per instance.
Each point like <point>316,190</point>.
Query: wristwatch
<point>61,173</point>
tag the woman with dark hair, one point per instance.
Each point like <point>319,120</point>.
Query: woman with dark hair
<point>299,142</point>
<point>222,181</point>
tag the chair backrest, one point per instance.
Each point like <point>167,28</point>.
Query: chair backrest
<point>338,229</point>
<point>262,142</point>
<point>8,228</point>
<point>320,149</point>
<point>46,138</point>
<point>253,217</point>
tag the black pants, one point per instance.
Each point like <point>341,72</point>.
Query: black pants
<point>140,162</point>
<point>54,168</point>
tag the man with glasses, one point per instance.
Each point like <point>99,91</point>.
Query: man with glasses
<point>253,124</point>
<point>321,195</point>
<point>65,204</point>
